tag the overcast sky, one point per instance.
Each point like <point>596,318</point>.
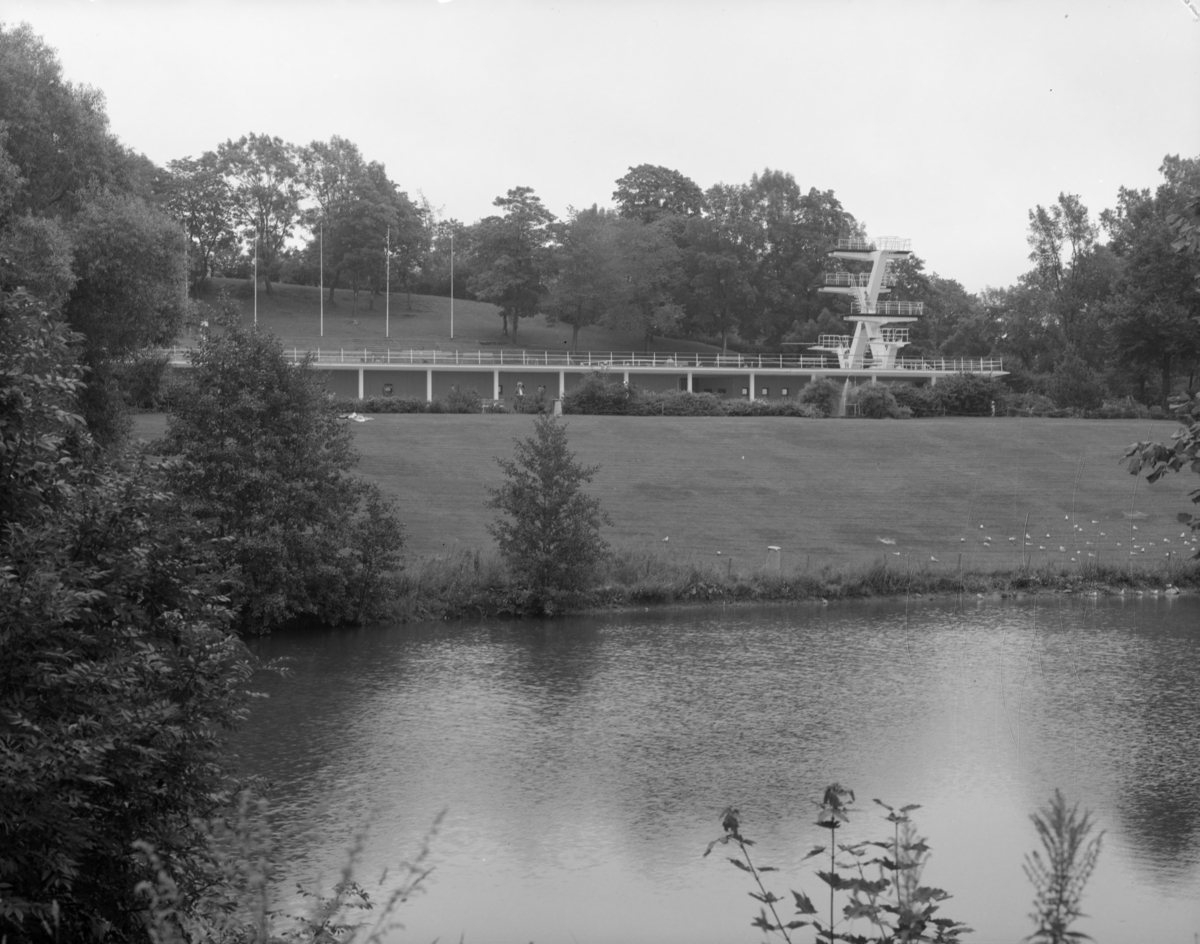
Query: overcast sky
<point>944,121</point>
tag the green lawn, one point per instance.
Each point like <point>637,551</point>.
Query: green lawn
<point>825,491</point>
<point>293,312</point>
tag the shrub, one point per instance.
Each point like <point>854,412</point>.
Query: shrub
<point>551,541</point>
<point>464,401</point>
<point>919,400</point>
<point>141,380</point>
<point>1074,384</point>
<point>824,395</point>
<point>968,395</point>
<point>268,468</point>
<point>599,395</point>
<point>1029,403</point>
<point>1059,876</point>
<point>877,402</point>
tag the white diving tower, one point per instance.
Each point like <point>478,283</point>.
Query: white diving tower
<point>876,340</point>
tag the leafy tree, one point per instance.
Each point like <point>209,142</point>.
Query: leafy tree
<point>650,192</point>
<point>196,193</point>
<point>1155,312</point>
<point>264,177</point>
<point>719,261</point>
<point>129,293</point>
<point>651,275</point>
<point>35,254</point>
<point>267,467</point>
<point>55,133</point>
<point>117,675</point>
<point>551,540</point>
<point>512,256</point>
<point>796,230</point>
<point>587,279</point>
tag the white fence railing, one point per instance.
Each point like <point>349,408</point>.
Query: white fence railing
<point>596,360</point>
<point>906,309</point>
<point>835,341</point>
<point>894,335</point>
<point>869,244</point>
<point>858,279</point>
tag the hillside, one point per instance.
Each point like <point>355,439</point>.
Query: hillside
<point>293,312</point>
<point>839,492</point>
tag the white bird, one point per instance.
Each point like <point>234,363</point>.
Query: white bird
<point>897,553</point>
<point>1061,548</point>
<point>985,544</point>
<point>718,553</point>
<point>667,538</point>
<point>886,540</point>
<point>1041,547</point>
<point>1012,539</point>
<point>961,540</point>
<point>981,527</point>
<point>1135,527</point>
<point>1066,517</point>
<point>1028,537</point>
<point>934,559</point>
<point>1094,521</point>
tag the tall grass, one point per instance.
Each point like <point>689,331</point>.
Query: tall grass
<point>474,583</point>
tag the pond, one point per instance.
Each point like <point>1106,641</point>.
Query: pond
<point>582,763</point>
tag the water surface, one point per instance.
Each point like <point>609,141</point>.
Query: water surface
<point>583,762</point>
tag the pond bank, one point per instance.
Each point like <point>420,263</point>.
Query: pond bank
<point>468,585</point>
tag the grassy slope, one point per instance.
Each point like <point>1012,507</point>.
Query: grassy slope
<point>825,491</point>
<point>293,313</point>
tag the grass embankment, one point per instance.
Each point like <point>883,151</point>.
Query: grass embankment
<point>858,507</point>
<point>293,313</point>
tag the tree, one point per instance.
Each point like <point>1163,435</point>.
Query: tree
<point>586,281</point>
<point>264,176</point>
<point>268,468</point>
<point>649,265</point>
<point>719,258</point>
<point>196,193</point>
<point>128,294</point>
<point>552,541</point>
<point>55,133</point>
<point>117,676</point>
<point>650,192</point>
<point>512,256</point>
<point>1155,311</point>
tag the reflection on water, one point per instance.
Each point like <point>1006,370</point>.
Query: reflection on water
<point>583,762</point>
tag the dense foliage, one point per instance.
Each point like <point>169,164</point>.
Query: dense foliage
<point>550,533</point>
<point>118,676</point>
<point>268,468</point>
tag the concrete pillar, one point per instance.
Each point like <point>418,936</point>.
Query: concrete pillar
<point>751,386</point>
<point>562,384</point>
<point>360,382</point>
<point>495,385</point>
<point>690,390</point>
<point>429,386</point>
<point>626,378</point>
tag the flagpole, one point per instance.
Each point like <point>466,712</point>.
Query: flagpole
<point>452,285</point>
<point>256,280</point>
<point>321,287</point>
<point>387,282</point>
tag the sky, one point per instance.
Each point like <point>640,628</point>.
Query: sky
<point>944,121</point>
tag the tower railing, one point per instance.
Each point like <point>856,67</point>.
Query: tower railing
<point>858,279</point>
<point>872,243</point>
<point>907,309</point>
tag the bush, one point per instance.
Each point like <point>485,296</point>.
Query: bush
<point>920,401</point>
<point>551,542</point>
<point>464,401</point>
<point>1029,403</point>
<point>824,395</point>
<point>1074,384</point>
<point>877,402</point>
<point>968,395</point>
<point>141,380</point>
<point>268,468</point>
<point>599,395</point>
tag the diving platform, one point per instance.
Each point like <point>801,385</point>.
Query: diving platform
<point>875,341</point>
